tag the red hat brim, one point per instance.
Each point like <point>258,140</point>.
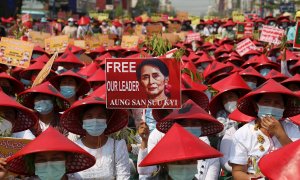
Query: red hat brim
<point>17,85</point>
<point>51,140</point>
<point>71,119</point>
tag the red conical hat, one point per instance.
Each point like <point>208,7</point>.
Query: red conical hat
<point>277,76</point>
<point>50,140</point>
<point>237,61</point>
<point>215,68</point>
<point>251,52</point>
<point>99,92</point>
<point>229,23</point>
<point>253,61</point>
<point>88,70</point>
<point>227,43</point>
<point>218,77</point>
<point>43,58</point>
<point>83,21</point>
<point>282,163</point>
<point>264,61</point>
<point>179,145</point>
<point>289,56</point>
<point>190,66</point>
<point>206,45</point>
<point>236,115</point>
<point>69,57</point>
<point>211,48</point>
<point>193,56</point>
<point>234,82</point>
<point>204,58</point>
<point>294,79</point>
<point>27,97</point>
<point>250,71</point>
<point>292,106</point>
<point>103,57</point>
<point>99,76</point>
<point>17,85</point>
<point>184,58</point>
<point>72,119</point>
<point>190,111</point>
<point>83,84</point>
<point>75,49</point>
<point>36,67</point>
<point>25,118</point>
<point>295,68</point>
<point>223,57</point>
<point>99,50</point>
<point>235,67</point>
<point>221,50</point>
<point>39,50</point>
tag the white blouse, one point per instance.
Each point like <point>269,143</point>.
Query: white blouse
<point>104,167</point>
<point>250,144</point>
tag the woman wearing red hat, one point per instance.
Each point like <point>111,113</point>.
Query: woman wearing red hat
<point>84,27</point>
<point>177,154</point>
<point>9,85</point>
<point>195,120</point>
<point>47,102</point>
<point>90,119</point>
<point>50,156</point>
<point>270,103</point>
<point>71,85</point>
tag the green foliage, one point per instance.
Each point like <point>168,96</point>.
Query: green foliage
<point>157,46</point>
<point>119,11</point>
<point>127,134</point>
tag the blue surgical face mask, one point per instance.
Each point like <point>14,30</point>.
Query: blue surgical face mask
<point>277,113</point>
<point>229,28</point>
<point>50,170</point>
<point>94,127</point>
<point>25,82</point>
<point>230,106</point>
<point>70,23</point>
<point>264,71</point>
<point>204,64</point>
<point>182,172</point>
<point>196,131</point>
<point>252,85</point>
<point>67,91</point>
<point>34,55</point>
<point>43,106</point>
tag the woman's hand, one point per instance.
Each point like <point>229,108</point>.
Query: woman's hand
<point>2,164</point>
<point>274,128</point>
<point>144,132</point>
<point>272,125</point>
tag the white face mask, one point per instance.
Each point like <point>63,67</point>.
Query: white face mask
<point>277,113</point>
<point>264,71</point>
<point>5,128</point>
<point>196,131</point>
<point>194,46</point>
<point>182,172</point>
<point>230,106</point>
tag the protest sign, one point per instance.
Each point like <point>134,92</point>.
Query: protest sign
<point>45,71</point>
<point>245,46</point>
<point>169,54</point>
<point>138,29</point>
<point>38,37</point>
<point>103,16</point>
<point>172,38</point>
<point>271,34</point>
<point>240,28</point>
<point>127,83</point>
<point>15,52</point>
<point>92,43</point>
<point>192,37</point>
<point>80,43</point>
<point>154,29</point>
<point>25,18</point>
<point>296,43</point>
<point>238,17</point>
<point>9,146</point>
<point>129,41</point>
<point>182,15</point>
<point>249,29</point>
<point>182,35</point>
<point>174,28</point>
<point>56,44</point>
<point>105,41</point>
<point>195,20</point>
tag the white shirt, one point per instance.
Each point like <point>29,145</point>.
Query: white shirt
<point>103,169</point>
<point>207,169</point>
<point>245,145</point>
<point>225,147</point>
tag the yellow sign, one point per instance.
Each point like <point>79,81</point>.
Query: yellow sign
<point>172,38</point>
<point>45,71</point>
<point>92,43</point>
<point>174,28</point>
<point>80,43</point>
<point>144,17</point>
<point>195,20</point>
<point>210,39</point>
<point>15,52</point>
<point>103,16</point>
<point>238,17</point>
<point>9,146</point>
<point>38,38</point>
<point>138,29</point>
<point>56,44</point>
<point>154,29</point>
<point>105,41</point>
<point>129,41</point>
